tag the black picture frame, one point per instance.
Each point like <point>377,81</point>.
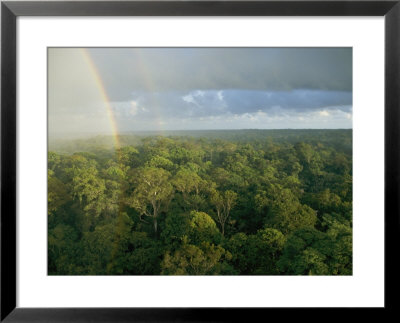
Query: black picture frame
<point>11,10</point>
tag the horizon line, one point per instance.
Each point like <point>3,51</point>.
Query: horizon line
<point>216,129</point>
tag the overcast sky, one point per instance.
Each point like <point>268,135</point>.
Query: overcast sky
<point>199,88</point>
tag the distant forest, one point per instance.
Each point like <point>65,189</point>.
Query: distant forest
<point>226,202</point>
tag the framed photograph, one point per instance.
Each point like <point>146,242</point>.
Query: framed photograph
<point>197,160</point>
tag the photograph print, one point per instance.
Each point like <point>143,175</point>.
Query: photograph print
<point>200,161</point>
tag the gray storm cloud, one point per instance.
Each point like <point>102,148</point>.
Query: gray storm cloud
<point>185,69</point>
<point>94,89</point>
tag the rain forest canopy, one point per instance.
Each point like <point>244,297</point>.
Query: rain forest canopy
<point>132,192</point>
<point>213,202</point>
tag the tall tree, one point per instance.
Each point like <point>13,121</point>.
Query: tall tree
<point>223,202</point>
<point>152,192</point>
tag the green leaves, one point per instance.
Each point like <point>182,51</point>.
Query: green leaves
<point>187,181</point>
<point>284,210</point>
<point>57,193</point>
<point>223,202</point>
<point>128,156</point>
<point>86,186</point>
<point>153,192</point>
<point>256,254</point>
<point>206,259</point>
<point>254,203</point>
<point>312,252</point>
<point>203,228</point>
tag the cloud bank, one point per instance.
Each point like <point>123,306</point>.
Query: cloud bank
<point>200,88</point>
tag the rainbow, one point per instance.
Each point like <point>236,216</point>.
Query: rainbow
<point>148,82</point>
<point>100,85</point>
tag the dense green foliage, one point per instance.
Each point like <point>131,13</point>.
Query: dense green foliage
<point>226,203</point>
